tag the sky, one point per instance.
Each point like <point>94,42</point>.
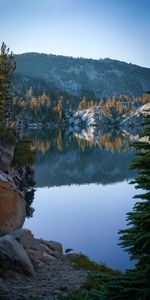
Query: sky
<point>116,29</point>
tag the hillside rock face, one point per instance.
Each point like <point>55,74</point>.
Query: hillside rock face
<point>77,76</point>
<point>136,118</point>
<point>93,117</point>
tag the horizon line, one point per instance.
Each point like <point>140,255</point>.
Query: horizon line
<point>81,57</point>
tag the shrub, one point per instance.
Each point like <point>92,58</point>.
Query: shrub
<point>23,155</point>
<point>7,135</point>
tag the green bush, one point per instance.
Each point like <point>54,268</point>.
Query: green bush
<point>7,135</point>
<point>23,155</point>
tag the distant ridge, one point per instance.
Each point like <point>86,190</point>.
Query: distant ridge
<point>80,57</point>
<point>101,78</point>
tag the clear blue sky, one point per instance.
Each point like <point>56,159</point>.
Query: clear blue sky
<point>118,29</point>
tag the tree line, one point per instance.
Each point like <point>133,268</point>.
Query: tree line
<point>7,68</point>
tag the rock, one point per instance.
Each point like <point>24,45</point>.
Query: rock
<point>12,206</point>
<point>24,237</point>
<point>33,256</point>
<point>48,257</point>
<point>12,254</point>
<point>33,246</point>
<point>7,178</point>
<point>6,155</point>
<point>51,252</point>
<point>93,116</point>
<point>38,250</point>
<point>136,118</point>
<point>55,246</point>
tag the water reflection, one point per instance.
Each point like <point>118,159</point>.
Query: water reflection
<point>64,159</point>
<point>61,141</point>
<point>89,193</point>
<point>110,140</point>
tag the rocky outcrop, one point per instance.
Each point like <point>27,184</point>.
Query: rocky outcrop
<point>54,246</point>
<point>20,251</point>
<point>93,116</point>
<point>51,273</point>
<point>132,124</point>
<point>85,121</point>
<point>12,205</point>
<point>37,249</point>
<point>13,256</point>
<point>14,184</point>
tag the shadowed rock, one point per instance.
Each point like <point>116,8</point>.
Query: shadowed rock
<point>12,208</point>
<point>37,249</point>
<point>13,256</point>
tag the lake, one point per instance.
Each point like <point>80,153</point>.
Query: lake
<point>83,193</point>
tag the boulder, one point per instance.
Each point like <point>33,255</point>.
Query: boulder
<point>37,249</point>
<point>13,256</point>
<point>54,246</point>
<point>12,206</point>
<point>24,237</point>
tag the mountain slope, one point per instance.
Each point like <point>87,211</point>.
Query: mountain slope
<point>78,76</point>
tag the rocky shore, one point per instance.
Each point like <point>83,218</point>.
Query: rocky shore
<point>35,268</point>
<point>30,268</point>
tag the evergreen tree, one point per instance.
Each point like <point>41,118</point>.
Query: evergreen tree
<point>7,67</point>
<point>135,284</point>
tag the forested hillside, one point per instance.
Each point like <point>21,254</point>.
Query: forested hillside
<point>101,78</point>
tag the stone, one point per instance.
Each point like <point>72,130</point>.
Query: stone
<point>14,255</point>
<point>33,257</point>
<point>4,177</point>
<point>24,237</point>
<point>47,256</point>
<point>37,249</point>
<point>55,246</point>
<point>12,208</point>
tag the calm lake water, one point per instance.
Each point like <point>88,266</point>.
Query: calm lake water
<point>82,193</point>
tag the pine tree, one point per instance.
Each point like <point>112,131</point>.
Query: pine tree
<point>135,284</point>
<point>7,67</point>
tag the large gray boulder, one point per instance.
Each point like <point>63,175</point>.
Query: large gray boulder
<point>13,256</point>
<point>38,250</point>
<point>24,237</point>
